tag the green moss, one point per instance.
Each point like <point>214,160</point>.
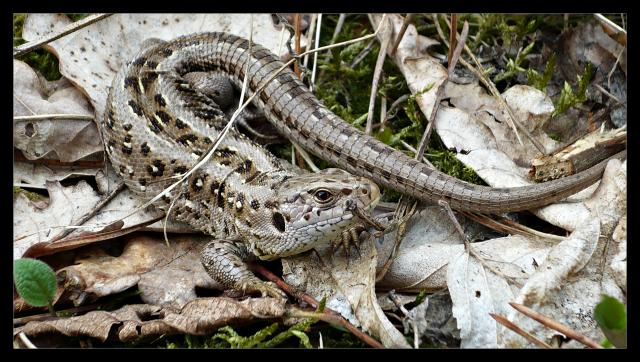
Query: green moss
<point>514,66</point>
<point>568,98</point>
<point>540,81</point>
<point>77,16</point>
<point>39,59</point>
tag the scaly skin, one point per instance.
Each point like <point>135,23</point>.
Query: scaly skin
<point>159,121</point>
<point>300,116</point>
<point>157,126</point>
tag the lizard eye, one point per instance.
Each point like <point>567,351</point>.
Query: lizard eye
<point>322,195</point>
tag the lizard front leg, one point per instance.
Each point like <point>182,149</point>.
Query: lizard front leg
<point>225,261</point>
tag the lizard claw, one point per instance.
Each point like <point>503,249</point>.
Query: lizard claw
<point>348,239</point>
<point>266,289</point>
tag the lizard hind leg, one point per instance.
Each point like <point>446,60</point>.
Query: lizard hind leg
<point>225,261</point>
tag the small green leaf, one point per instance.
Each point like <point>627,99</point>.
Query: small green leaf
<point>606,344</point>
<point>35,281</point>
<point>612,318</point>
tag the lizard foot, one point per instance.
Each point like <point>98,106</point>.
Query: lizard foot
<point>348,239</point>
<point>265,289</point>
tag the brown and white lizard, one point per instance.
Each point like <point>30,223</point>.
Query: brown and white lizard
<point>161,117</point>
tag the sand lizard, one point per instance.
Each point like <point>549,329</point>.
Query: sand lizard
<point>160,119</point>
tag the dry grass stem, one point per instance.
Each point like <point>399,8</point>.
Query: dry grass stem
<point>507,323</point>
<point>376,75</point>
<point>548,322</point>
<point>405,24</point>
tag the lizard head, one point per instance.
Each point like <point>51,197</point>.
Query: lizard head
<point>315,208</point>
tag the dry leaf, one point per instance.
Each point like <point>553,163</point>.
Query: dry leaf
<point>33,224</point>
<point>532,108</point>
<point>568,285</point>
<point>348,286</point>
<point>587,42</point>
<point>64,139</point>
<point>132,322</point>
<point>166,275</point>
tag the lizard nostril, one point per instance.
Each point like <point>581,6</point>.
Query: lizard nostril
<point>364,191</point>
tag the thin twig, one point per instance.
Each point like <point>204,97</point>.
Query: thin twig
<point>510,227</point>
<point>467,243</point>
<point>296,26</point>
<point>453,25</point>
<point>305,156</point>
<point>478,71</point>
<point>415,152</point>
<point>337,317</point>
<point>610,23</point>
<point>557,326</point>
<point>315,55</point>
<point>604,91</point>
<point>395,105</point>
<point>310,33</point>
<point>394,298</point>
<point>405,24</point>
<point>367,49</point>
<point>38,117</point>
<point>407,315</point>
<point>27,47</point>
<point>528,336</point>
<point>336,32</point>
<point>614,67</point>
<point>383,110</point>
<point>386,38</point>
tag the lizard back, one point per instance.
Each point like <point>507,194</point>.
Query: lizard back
<point>300,116</point>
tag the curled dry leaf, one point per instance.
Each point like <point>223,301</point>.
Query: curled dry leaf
<point>348,286</point>
<point>429,243</point>
<point>132,322</point>
<point>63,139</point>
<point>568,285</point>
<point>165,275</point>
<point>91,56</point>
<point>31,223</point>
